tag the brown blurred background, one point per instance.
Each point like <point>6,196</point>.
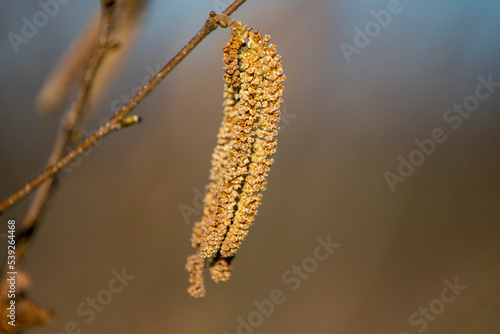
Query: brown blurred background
<point>345,125</point>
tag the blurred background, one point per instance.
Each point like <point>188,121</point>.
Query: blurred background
<point>348,116</point>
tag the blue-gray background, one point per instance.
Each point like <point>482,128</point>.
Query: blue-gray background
<point>347,124</point>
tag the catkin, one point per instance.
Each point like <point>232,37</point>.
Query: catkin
<point>242,158</point>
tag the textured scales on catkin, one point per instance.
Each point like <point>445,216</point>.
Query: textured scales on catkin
<point>242,158</point>
<point>229,154</point>
<point>211,192</point>
<point>260,93</point>
<point>195,265</point>
<point>220,269</point>
<point>219,155</point>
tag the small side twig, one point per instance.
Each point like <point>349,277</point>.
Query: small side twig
<point>114,123</point>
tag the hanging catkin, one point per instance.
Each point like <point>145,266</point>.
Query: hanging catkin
<point>242,158</point>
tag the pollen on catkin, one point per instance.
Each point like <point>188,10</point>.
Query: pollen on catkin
<point>242,158</point>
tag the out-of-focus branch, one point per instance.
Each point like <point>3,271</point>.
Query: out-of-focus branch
<point>127,18</point>
<point>27,313</point>
<point>57,85</point>
<point>69,124</point>
<point>115,123</point>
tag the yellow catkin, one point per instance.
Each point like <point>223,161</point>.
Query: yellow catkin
<point>220,269</point>
<point>195,265</point>
<point>242,158</point>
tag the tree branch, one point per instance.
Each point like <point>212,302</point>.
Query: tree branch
<point>115,122</point>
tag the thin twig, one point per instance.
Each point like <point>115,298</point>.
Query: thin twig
<point>114,123</point>
<point>69,124</point>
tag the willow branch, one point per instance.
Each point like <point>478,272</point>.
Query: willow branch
<point>115,122</point>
